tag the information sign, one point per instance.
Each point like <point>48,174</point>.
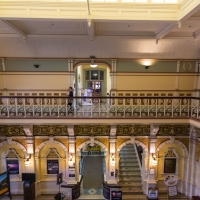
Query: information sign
<point>116,195</point>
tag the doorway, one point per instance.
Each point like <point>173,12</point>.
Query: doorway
<point>94,82</point>
<point>92,159</point>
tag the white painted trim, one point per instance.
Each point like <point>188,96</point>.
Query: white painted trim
<point>48,142</point>
<point>88,142</point>
<point>185,150</point>
<point>137,142</point>
<point>15,143</point>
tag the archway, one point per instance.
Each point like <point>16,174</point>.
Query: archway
<point>91,81</point>
<point>92,165</point>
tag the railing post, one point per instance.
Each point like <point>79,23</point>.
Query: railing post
<point>16,106</point>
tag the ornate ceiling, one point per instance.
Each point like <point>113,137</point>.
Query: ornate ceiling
<point>105,29</point>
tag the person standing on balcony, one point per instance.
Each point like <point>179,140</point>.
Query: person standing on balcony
<point>70,100</point>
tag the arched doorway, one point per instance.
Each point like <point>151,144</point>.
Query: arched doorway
<point>91,81</point>
<point>92,166</point>
<point>88,151</point>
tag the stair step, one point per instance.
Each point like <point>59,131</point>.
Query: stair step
<point>128,184</point>
<point>136,196</point>
<point>130,179</point>
<point>124,164</point>
<point>137,173</point>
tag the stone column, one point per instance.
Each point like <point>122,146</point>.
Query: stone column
<point>112,157</point>
<point>30,148</point>
<point>151,177</point>
<point>4,78</point>
<point>72,162</point>
<point>191,168</point>
<point>113,77</point>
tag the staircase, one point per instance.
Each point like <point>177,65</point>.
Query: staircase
<point>129,174</point>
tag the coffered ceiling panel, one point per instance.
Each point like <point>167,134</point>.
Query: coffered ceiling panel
<point>50,27</point>
<point>126,28</point>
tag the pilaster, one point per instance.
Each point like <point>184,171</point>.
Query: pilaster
<point>112,159</point>
<point>72,161</point>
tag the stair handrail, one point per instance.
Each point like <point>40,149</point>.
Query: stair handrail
<point>75,189</point>
<point>107,188</point>
<point>137,155</point>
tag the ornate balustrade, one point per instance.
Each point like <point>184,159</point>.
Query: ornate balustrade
<point>101,107</point>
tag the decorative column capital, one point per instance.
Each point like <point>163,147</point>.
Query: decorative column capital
<point>113,131</point>
<point>72,140</point>
<point>28,130</point>
<point>70,130</point>
<point>154,130</point>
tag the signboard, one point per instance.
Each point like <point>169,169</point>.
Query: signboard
<point>5,183</point>
<point>52,167</point>
<point>172,191</point>
<point>153,193</point>
<point>13,166</point>
<point>116,195</point>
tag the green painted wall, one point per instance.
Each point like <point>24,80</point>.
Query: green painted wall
<point>28,65</point>
<point>1,68</point>
<point>187,66</point>
<point>139,66</point>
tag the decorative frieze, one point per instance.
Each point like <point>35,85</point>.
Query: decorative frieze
<point>174,130</point>
<point>11,130</point>
<point>49,130</point>
<point>97,130</point>
<point>138,130</point>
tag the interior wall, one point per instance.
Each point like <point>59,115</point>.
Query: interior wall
<point>15,179</point>
<point>160,166</point>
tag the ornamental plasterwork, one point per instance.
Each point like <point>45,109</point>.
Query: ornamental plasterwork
<point>137,130</point>
<point>11,153</point>
<point>52,153</point>
<point>97,130</point>
<point>170,153</point>
<point>40,130</point>
<point>174,130</point>
<point>12,130</point>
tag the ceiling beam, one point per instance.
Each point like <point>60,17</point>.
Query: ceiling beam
<point>196,35</point>
<point>14,28</point>
<point>165,31</point>
<point>90,28</point>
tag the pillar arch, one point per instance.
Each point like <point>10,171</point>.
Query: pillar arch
<point>48,142</point>
<point>129,142</point>
<point>185,150</point>
<point>88,142</point>
<point>15,143</point>
<point>88,63</point>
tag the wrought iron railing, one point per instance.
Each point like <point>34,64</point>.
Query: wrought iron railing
<point>101,107</point>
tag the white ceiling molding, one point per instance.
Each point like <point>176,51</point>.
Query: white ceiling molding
<point>14,28</point>
<point>165,31</point>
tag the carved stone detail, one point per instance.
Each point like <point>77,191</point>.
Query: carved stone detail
<point>11,153</point>
<point>52,153</point>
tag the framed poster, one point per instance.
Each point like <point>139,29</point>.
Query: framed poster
<point>52,167</point>
<point>170,165</point>
<point>13,166</point>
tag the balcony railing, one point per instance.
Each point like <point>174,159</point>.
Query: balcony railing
<point>101,107</point>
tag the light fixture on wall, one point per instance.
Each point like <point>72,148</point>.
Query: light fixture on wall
<point>27,160</point>
<point>154,161</point>
<point>71,163</point>
<point>147,67</point>
<point>112,159</point>
<point>92,64</point>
